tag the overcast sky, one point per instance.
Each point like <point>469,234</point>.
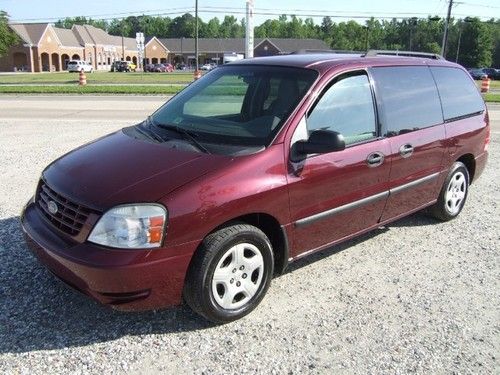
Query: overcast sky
<point>51,10</point>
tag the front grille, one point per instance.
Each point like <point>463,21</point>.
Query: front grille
<point>69,216</point>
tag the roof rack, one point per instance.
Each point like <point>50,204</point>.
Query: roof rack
<point>321,51</point>
<point>373,52</point>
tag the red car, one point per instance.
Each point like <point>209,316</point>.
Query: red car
<point>255,165</point>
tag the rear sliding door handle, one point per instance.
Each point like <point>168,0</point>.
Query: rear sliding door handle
<point>406,150</point>
<point>375,159</point>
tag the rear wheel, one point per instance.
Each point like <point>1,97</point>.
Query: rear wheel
<point>230,273</point>
<point>453,193</point>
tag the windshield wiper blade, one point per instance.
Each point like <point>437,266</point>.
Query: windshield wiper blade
<point>154,135</point>
<point>186,134</point>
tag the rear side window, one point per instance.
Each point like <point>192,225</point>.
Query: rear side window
<point>459,95</point>
<point>408,99</point>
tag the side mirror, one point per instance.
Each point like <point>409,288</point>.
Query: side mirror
<point>319,142</point>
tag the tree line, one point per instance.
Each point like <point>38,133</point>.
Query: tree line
<point>471,42</point>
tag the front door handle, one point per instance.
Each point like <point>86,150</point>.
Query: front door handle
<point>375,159</point>
<point>406,150</point>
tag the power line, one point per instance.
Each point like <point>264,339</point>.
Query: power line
<point>257,11</point>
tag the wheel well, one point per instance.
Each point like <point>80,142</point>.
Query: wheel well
<point>273,230</point>
<point>470,163</point>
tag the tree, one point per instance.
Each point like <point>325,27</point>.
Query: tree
<point>67,23</point>
<point>7,37</point>
<point>476,44</point>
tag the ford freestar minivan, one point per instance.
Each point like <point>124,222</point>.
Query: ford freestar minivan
<point>253,166</point>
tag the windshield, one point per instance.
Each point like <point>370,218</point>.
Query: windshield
<point>237,105</point>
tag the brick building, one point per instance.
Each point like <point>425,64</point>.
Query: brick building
<point>44,47</point>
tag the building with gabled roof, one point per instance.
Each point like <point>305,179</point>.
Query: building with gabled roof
<point>44,47</point>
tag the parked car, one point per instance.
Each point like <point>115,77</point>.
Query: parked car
<point>115,66</point>
<point>207,67</point>
<point>212,195</point>
<point>79,65</point>
<point>181,67</point>
<point>149,67</point>
<point>125,66</point>
<point>491,73</point>
<point>162,68</point>
<point>477,73</point>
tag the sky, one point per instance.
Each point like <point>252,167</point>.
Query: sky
<point>52,10</point>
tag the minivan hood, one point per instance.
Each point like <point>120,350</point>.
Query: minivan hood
<point>118,169</point>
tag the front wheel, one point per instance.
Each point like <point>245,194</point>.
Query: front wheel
<point>230,273</point>
<point>453,194</point>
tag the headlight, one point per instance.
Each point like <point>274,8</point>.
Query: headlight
<point>131,227</point>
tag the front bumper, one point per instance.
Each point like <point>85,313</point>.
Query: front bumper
<point>125,279</point>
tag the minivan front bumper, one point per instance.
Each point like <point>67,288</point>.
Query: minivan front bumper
<point>124,279</point>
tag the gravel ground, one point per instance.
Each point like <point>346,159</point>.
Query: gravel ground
<point>418,296</point>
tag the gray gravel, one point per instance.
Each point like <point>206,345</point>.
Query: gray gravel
<point>418,296</point>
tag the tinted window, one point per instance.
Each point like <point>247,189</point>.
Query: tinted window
<point>459,95</point>
<point>346,107</point>
<point>408,98</point>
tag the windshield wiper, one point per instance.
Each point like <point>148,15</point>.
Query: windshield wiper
<point>154,135</point>
<point>186,134</point>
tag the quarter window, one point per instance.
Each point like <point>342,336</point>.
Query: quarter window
<point>347,108</point>
<point>459,95</point>
<point>408,99</point>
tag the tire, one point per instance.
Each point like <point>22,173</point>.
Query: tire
<point>453,194</point>
<point>240,257</point>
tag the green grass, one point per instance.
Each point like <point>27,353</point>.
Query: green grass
<point>96,77</point>
<point>492,98</point>
<point>90,89</point>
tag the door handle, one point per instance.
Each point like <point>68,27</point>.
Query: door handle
<point>375,159</point>
<point>406,150</point>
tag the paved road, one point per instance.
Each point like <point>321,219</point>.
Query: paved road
<point>106,107</point>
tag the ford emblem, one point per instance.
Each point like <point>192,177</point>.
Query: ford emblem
<point>52,206</point>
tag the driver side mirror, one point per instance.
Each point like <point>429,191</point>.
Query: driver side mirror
<point>319,142</point>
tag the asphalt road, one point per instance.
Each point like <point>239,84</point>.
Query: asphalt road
<point>417,296</point>
<point>103,107</point>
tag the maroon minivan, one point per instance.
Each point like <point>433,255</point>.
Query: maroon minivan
<point>253,166</point>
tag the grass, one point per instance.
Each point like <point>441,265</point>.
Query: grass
<point>97,77</point>
<point>492,98</point>
<point>90,89</point>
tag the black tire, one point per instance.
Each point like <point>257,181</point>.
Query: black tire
<point>198,289</point>
<point>444,209</point>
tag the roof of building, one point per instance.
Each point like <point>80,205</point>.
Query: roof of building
<point>186,45</point>
<point>67,37</point>
<point>30,33</point>
<point>80,35</point>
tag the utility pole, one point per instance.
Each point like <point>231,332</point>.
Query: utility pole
<point>249,30</point>
<point>446,25</point>
<point>196,35</point>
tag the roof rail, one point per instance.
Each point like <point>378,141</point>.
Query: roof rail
<point>373,52</point>
<point>321,51</point>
